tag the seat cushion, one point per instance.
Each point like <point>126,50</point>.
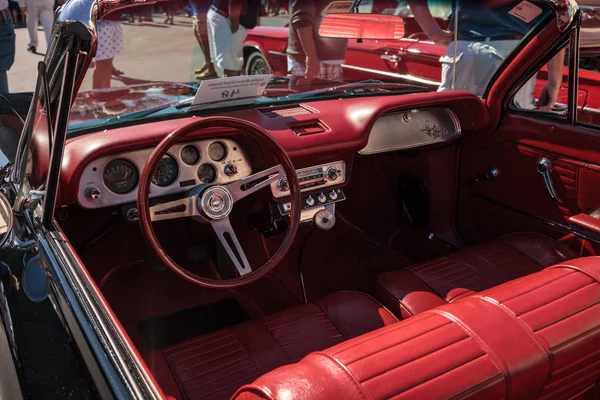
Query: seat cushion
<point>446,279</point>
<point>535,337</point>
<point>213,366</point>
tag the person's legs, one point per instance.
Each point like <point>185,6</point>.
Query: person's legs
<point>102,74</point>
<point>47,20</point>
<point>219,37</point>
<point>7,49</point>
<point>201,33</point>
<point>234,59</point>
<point>32,24</point>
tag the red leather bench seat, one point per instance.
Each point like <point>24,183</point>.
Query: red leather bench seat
<point>213,366</point>
<point>534,337</point>
<point>446,279</point>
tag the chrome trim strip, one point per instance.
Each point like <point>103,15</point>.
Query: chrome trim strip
<point>393,75</point>
<point>377,72</point>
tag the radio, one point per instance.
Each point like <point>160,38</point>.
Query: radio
<point>313,178</point>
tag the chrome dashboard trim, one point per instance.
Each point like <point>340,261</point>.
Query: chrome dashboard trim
<point>342,173</point>
<point>412,128</point>
<point>92,176</point>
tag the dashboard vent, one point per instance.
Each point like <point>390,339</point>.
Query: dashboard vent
<point>308,128</point>
<point>283,112</point>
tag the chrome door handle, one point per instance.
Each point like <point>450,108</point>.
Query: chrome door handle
<point>390,57</point>
<point>545,168</point>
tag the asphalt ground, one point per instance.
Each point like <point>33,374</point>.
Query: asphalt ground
<point>153,51</point>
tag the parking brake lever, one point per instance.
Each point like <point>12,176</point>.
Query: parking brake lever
<point>545,168</point>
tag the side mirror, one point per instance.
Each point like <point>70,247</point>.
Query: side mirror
<point>362,26</point>
<point>6,219</point>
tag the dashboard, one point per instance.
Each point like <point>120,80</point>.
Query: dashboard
<point>113,180</point>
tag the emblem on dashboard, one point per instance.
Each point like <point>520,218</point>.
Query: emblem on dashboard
<point>434,131</point>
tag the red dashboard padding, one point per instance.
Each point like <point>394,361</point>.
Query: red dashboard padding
<point>534,337</point>
<point>421,287</point>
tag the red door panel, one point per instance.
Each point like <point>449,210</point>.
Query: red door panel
<point>519,198</point>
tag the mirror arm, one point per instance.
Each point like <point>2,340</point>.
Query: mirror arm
<point>355,6</point>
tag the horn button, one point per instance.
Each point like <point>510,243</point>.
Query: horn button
<point>216,202</point>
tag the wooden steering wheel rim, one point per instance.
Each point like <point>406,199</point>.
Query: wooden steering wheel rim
<point>143,200</point>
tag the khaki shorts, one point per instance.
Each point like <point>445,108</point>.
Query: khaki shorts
<point>200,26</point>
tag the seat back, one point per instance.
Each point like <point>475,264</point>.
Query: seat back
<point>534,337</point>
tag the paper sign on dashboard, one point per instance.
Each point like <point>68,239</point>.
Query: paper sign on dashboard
<point>526,11</point>
<point>237,90</point>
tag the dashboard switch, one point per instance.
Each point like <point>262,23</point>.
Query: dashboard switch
<point>310,201</point>
<point>231,170</point>
<point>333,195</point>
<point>322,198</point>
<point>283,185</point>
<point>332,173</point>
<point>92,194</point>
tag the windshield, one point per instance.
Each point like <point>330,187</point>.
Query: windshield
<point>177,57</point>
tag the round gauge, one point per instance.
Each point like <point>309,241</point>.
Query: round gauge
<point>166,171</point>
<point>190,155</point>
<point>120,176</point>
<point>217,151</point>
<point>207,173</point>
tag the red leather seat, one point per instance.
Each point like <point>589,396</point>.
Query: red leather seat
<point>215,365</point>
<point>421,287</point>
<point>535,337</point>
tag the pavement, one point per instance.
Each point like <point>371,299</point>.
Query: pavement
<point>153,51</point>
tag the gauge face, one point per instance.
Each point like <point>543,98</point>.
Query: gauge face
<point>190,155</point>
<point>120,176</point>
<point>217,151</point>
<point>166,172</point>
<point>207,173</point>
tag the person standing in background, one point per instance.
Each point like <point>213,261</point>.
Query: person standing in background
<point>228,24</point>
<point>7,44</point>
<point>38,10</point>
<point>199,9</point>
<point>309,54</point>
<point>110,44</point>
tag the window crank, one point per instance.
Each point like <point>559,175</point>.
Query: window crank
<point>545,168</point>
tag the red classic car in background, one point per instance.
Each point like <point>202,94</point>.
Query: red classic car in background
<point>415,59</point>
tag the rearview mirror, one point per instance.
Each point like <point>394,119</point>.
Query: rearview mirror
<point>362,26</point>
<point>6,219</point>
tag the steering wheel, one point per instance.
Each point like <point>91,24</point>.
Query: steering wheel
<point>213,204</point>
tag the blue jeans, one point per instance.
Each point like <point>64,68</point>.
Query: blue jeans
<point>7,48</point>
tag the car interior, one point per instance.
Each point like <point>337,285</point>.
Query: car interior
<point>426,219</point>
<point>365,247</point>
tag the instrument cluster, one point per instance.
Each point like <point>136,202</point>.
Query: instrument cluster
<point>113,180</point>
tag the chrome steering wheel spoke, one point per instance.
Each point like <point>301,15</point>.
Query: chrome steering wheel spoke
<point>229,240</point>
<point>181,208</point>
<point>244,187</point>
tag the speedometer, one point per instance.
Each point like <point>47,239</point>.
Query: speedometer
<point>166,172</point>
<point>120,176</point>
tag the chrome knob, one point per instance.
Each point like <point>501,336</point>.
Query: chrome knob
<point>93,194</point>
<point>322,198</point>
<point>283,185</point>
<point>324,220</point>
<point>230,169</point>
<point>333,195</point>
<point>332,173</point>
<point>310,201</point>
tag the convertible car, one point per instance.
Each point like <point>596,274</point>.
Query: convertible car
<point>261,237</point>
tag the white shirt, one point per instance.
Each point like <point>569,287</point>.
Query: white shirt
<point>3,4</point>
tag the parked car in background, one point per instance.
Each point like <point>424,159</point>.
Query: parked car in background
<point>415,59</point>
